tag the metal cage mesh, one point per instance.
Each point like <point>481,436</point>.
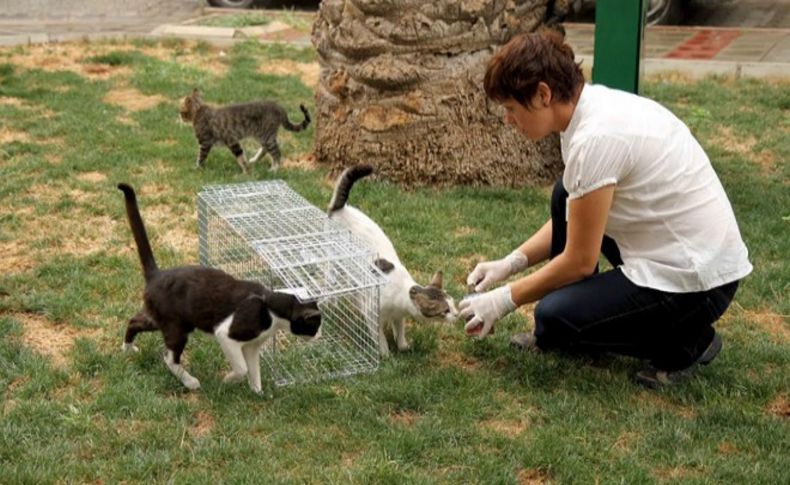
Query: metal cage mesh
<point>265,231</point>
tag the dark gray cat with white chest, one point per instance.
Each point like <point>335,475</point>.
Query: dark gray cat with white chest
<point>242,315</point>
<point>228,125</point>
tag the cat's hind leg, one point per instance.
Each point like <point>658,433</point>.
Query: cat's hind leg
<point>271,146</point>
<point>141,322</point>
<point>384,347</point>
<point>256,156</point>
<point>175,347</point>
<point>238,152</point>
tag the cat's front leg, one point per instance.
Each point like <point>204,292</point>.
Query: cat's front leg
<point>205,148</point>
<point>173,361</point>
<point>399,332</point>
<point>238,152</point>
<point>252,356</point>
<point>233,352</point>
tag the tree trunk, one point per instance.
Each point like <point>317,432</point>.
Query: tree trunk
<point>401,88</point>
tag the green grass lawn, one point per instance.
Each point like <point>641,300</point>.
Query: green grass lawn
<point>77,119</point>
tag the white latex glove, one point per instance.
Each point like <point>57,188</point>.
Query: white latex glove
<point>482,311</point>
<point>486,274</point>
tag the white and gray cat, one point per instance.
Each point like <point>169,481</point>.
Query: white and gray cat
<point>242,315</point>
<point>401,297</point>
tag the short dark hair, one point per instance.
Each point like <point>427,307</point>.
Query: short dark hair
<point>517,68</point>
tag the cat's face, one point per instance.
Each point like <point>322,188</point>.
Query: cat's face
<point>300,319</point>
<point>189,106</point>
<point>433,302</point>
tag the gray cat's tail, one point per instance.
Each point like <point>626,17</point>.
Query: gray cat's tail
<point>138,231</point>
<point>344,184</point>
<point>301,126</point>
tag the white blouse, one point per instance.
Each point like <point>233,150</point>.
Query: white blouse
<point>670,216</point>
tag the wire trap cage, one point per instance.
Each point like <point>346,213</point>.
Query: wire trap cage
<point>266,232</point>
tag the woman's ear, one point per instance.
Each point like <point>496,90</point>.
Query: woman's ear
<point>544,94</point>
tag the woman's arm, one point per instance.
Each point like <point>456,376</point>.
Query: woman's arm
<point>538,247</point>
<point>587,218</point>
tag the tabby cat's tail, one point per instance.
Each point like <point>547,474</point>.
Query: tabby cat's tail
<point>138,231</point>
<point>301,126</point>
<point>344,184</point>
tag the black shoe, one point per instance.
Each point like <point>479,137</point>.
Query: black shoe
<point>711,352</point>
<point>655,378</point>
<point>525,342</point>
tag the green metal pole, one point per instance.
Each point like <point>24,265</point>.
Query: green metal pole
<point>619,32</point>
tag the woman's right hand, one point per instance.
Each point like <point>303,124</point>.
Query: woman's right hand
<point>489,273</point>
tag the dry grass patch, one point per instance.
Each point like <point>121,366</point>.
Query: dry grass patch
<point>464,231</point>
<point>16,257</point>
<point>453,358</point>
<point>308,72</point>
<point>204,424</point>
<point>727,448</point>
<point>8,135</point>
<point>651,400</point>
<point>168,224</point>
<point>212,60</point>
<point>770,322</point>
<point>532,476</point>
<point>12,101</point>
<point>780,406</point>
<point>92,177</point>
<point>625,442</point>
<point>511,428</point>
<point>404,418</point>
<point>48,338</point>
<point>304,161</point>
<point>68,57</point>
<point>132,99</point>
<point>675,474</point>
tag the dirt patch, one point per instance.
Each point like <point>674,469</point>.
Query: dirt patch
<point>744,146</point>
<point>625,442</point>
<point>132,99</point>
<point>404,418</point>
<point>93,177</point>
<point>532,476</point>
<point>511,428</point>
<point>8,135</point>
<point>211,60</point>
<point>204,424</point>
<point>168,223</point>
<point>780,406</point>
<point>772,323</point>
<point>48,338</point>
<point>308,72</point>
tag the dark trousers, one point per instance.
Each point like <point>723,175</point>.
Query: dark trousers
<point>607,313</point>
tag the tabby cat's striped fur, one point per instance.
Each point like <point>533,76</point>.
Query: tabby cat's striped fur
<point>228,125</point>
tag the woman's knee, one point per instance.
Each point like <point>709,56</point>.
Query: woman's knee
<point>551,315</point>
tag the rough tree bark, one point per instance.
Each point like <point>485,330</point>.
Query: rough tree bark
<point>401,88</point>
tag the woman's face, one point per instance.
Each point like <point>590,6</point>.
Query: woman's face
<point>535,121</point>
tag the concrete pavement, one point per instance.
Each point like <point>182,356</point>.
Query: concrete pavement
<point>693,51</point>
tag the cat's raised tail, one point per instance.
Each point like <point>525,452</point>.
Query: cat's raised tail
<point>301,126</point>
<point>344,183</point>
<point>138,231</point>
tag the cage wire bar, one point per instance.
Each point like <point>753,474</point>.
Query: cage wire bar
<point>265,231</point>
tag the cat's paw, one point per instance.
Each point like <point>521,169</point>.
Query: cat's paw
<point>232,377</point>
<point>191,383</point>
<point>128,347</point>
<point>404,346</point>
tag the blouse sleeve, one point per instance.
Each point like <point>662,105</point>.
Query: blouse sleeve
<point>594,163</point>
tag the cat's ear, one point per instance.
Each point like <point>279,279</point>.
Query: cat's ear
<point>250,311</point>
<point>437,280</point>
<point>196,94</point>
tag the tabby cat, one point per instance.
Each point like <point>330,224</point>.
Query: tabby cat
<point>401,296</point>
<point>242,315</point>
<point>230,124</point>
